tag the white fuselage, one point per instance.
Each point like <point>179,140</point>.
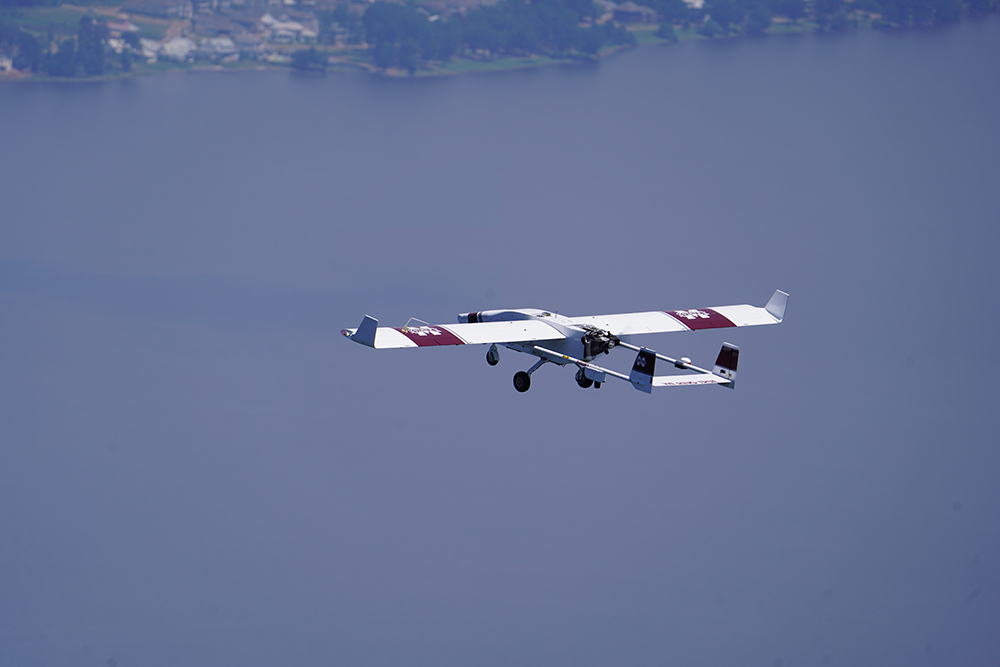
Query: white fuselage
<point>572,345</point>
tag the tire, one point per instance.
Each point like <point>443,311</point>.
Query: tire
<point>584,381</point>
<point>522,381</point>
<point>490,359</point>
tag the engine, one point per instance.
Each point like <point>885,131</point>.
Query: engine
<point>596,341</point>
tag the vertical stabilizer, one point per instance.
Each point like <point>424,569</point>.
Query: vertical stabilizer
<point>725,365</point>
<point>641,376</point>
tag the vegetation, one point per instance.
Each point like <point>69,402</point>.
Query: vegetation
<point>401,36</point>
<point>347,20</point>
<point>44,37</point>
<point>84,54</point>
<point>309,60</point>
<point>726,17</point>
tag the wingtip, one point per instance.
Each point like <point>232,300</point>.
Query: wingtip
<point>365,333</point>
<point>776,305</point>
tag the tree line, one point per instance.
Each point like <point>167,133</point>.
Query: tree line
<point>725,17</point>
<point>401,36</point>
<point>84,54</point>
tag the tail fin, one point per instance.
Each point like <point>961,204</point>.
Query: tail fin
<point>776,305</point>
<point>641,376</point>
<point>366,332</point>
<point>725,365</point>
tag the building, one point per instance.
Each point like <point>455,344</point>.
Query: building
<point>218,48</point>
<point>150,47</point>
<point>250,46</point>
<point>179,49</point>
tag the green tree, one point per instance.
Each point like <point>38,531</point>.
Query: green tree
<point>666,31</point>
<point>793,9</point>
<point>401,36</point>
<point>828,7</point>
<point>23,47</point>
<point>710,28</point>
<point>725,13</point>
<point>982,6</point>
<point>91,49</point>
<point>671,10</point>
<point>308,59</point>
<point>63,62</point>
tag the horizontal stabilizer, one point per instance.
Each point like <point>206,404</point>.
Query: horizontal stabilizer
<point>688,380</point>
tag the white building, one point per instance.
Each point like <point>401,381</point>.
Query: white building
<point>218,48</point>
<point>150,47</point>
<point>179,49</point>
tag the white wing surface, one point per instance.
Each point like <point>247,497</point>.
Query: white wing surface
<point>665,321</point>
<point>519,331</point>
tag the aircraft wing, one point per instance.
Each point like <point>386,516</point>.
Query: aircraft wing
<point>665,321</point>
<point>519,331</point>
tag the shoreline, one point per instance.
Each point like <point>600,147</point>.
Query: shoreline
<point>460,65</point>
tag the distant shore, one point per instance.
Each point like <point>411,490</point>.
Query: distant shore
<point>341,57</point>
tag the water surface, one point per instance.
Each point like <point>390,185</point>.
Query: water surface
<point>196,469</point>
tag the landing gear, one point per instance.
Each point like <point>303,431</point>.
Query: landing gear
<point>582,380</point>
<point>493,355</point>
<point>522,381</point>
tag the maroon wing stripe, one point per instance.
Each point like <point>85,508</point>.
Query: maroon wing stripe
<point>701,318</point>
<point>424,336</point>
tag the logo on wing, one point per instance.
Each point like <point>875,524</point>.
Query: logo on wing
<point>421,331</point>
<point>692,314</point>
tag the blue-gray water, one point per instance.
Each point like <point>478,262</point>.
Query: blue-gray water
<point>197,469</point>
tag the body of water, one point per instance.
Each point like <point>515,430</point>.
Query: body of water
<point>197,469</point>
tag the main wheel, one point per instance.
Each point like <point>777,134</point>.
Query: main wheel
<point>522,381</point>
<point>583,380</point>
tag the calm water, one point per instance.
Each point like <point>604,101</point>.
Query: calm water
<point>196,469</point>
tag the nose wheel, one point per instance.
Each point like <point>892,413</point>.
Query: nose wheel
<point>493,355</point>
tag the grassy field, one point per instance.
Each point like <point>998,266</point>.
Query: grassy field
<point>62,21</point>
<point>460,65</point>
<point>65,20</point>
<point>151,28</point>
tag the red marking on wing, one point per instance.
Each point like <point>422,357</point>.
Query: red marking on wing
<point>701,318</point>
<point>424,336</point>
